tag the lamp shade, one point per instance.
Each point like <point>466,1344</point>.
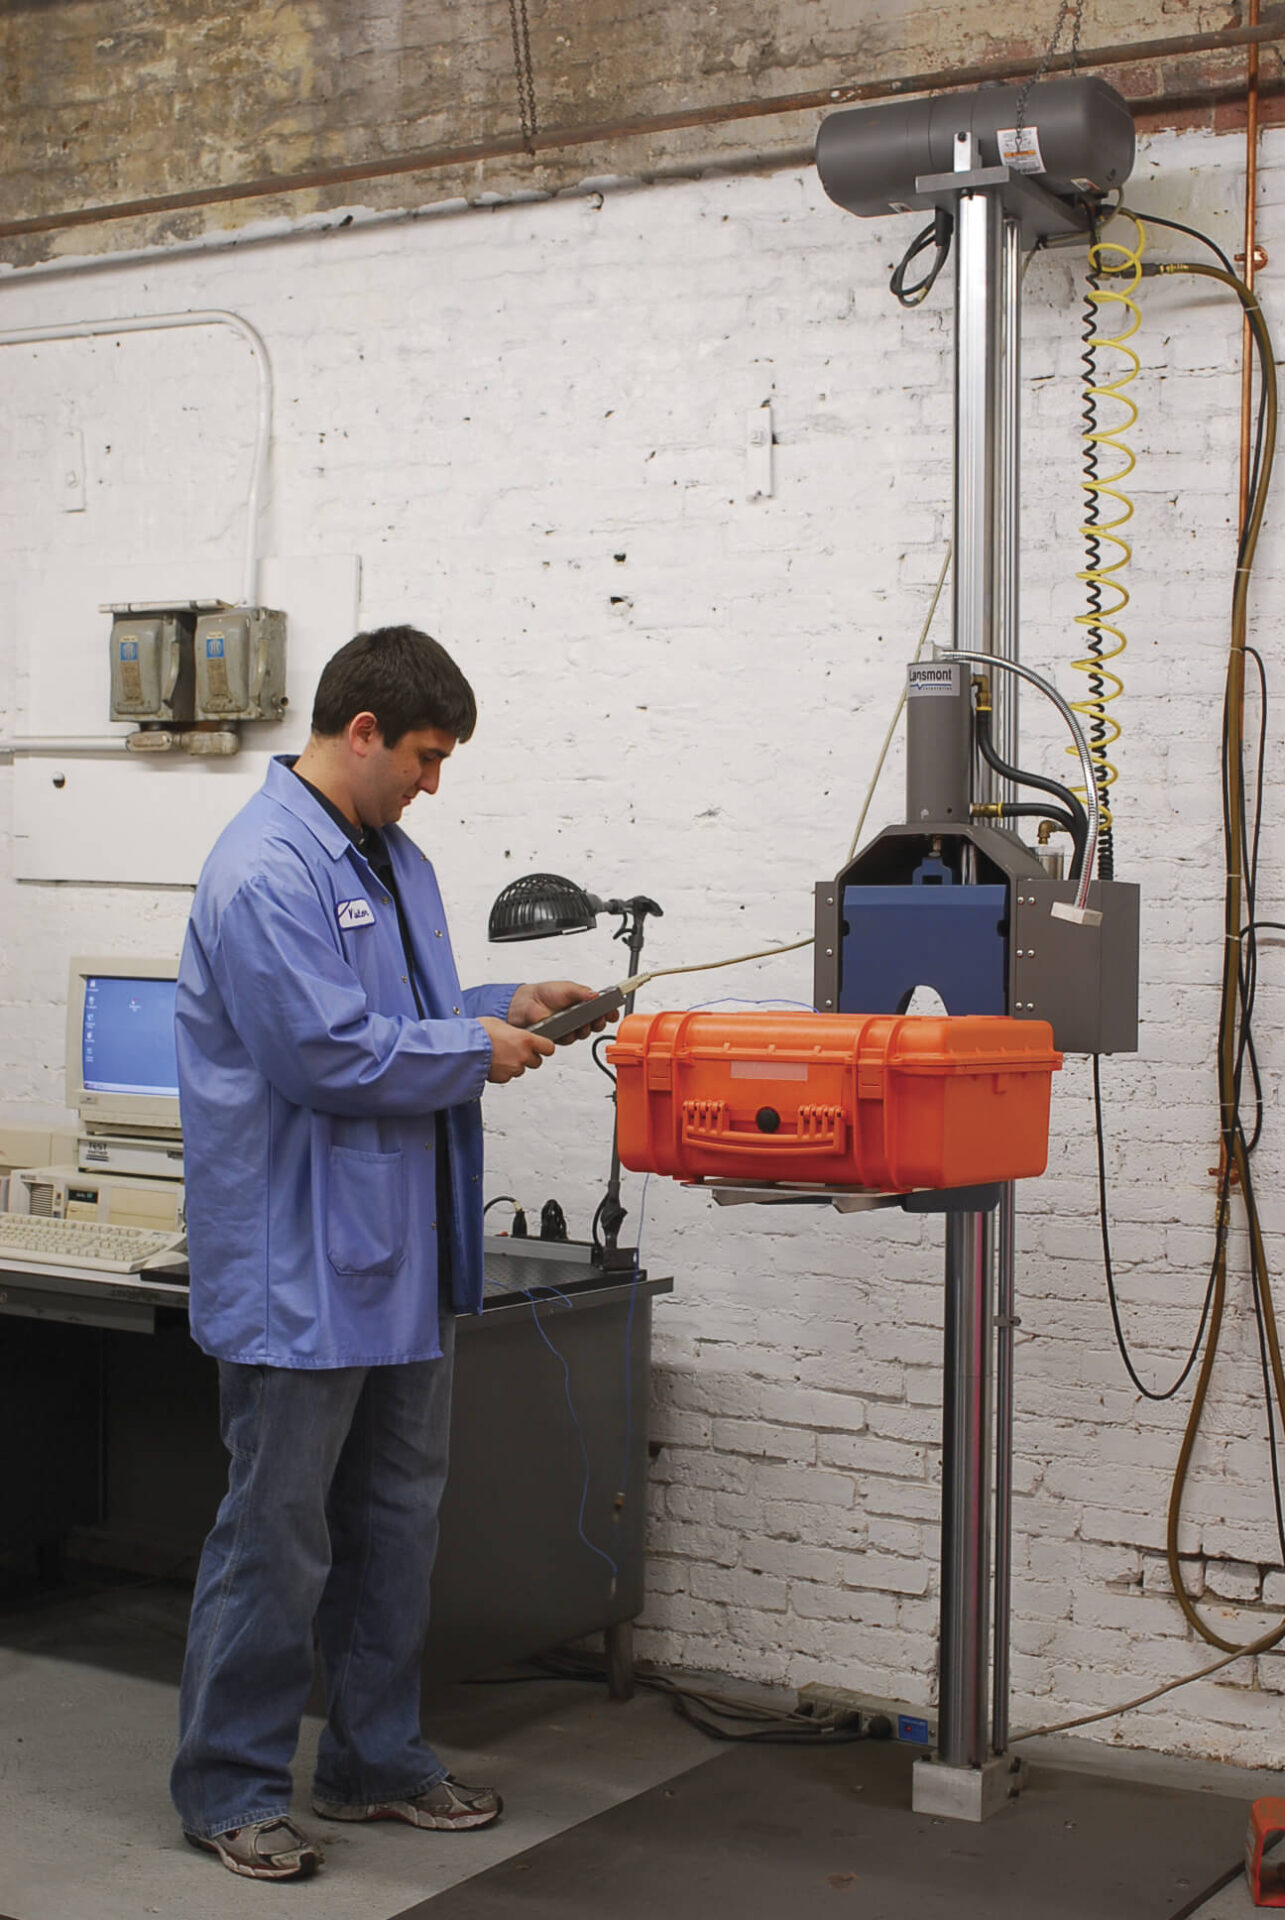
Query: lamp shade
<point>540,904</point>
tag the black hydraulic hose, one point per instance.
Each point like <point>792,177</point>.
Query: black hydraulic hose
<point>1041,785</point>
<point>1035,810</point>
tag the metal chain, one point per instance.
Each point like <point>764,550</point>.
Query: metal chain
<point>523,69</point>
<point>1076,8</point>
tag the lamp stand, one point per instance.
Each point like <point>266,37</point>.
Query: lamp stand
<point>610,1216</point>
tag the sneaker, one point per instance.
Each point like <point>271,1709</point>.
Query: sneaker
<point>269,1850</point>
<point>448,1805</point>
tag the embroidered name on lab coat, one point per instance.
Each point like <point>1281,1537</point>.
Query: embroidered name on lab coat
<point>354,913</point>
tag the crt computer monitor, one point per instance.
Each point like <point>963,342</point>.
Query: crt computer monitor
<point>122,1071</point>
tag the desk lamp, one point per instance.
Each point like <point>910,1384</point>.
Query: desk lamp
<point>540,905</point>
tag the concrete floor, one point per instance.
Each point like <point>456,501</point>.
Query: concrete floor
<point>611,1811</point>
<point>1233,1903</point>
<point>88,1690</point>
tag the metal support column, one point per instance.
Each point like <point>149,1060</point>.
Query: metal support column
<point>1004,693</point>
<point>961,1779</point>
<point>978,226</point>
<point>963,1707</point>
<point>1005,1327</point>
<point>1004,701</point>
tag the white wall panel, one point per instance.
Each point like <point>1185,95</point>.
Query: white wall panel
<point>148,819</point>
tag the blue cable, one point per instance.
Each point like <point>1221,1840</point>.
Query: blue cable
<point>533,1303</point>
<point>623,1480</point>
<point>547,1291</point>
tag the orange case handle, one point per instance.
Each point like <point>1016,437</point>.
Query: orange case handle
<point>722,1140</point>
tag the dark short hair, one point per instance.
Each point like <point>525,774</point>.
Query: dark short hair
<point>404,677</point>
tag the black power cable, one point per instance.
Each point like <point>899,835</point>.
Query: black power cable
<point>1148,1393</point>
<point>1192,233</point>
<point>1236,1049</point>
<point>1250,839</point>
<point>936,234</point>
<point>518,1230</point>
<point>603,1040</point>
<point>740,1721</point>
<point>1251,836</point>
<point>1249,943</point>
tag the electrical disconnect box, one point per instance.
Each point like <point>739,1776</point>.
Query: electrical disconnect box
<point>190,671</point>
<point>152,675</point>
<point>241,664</point>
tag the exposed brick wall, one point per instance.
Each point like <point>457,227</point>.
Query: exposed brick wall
<point>531,426</point>
<point>113,102</point>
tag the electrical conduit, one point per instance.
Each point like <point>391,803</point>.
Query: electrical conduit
<point>163,323</point>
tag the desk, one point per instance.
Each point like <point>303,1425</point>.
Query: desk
<point>112,1449</point>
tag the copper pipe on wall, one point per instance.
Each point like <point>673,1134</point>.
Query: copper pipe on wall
<point>436,159</point>
<point>1251,210</point>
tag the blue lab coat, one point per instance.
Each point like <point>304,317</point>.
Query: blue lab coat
<point>309,1089</point>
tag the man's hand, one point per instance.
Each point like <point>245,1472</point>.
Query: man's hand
<point>512,1050</point>
<point>535,1002</point>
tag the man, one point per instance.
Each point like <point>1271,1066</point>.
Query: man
<point>330,1068</point>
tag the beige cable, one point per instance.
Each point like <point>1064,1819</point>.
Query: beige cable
<point>1260,1645</point>
<point>708,966</point>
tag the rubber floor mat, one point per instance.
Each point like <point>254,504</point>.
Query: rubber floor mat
<point>771,1833</point>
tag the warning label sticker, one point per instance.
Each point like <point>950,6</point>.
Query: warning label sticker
<point>1020,149</point>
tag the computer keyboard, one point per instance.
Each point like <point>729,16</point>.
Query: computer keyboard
<point>37,1241</point>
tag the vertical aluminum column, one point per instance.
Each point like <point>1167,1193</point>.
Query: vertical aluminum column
<point>962,1713</point>
<point>963,1707</point>
<point>1005,1326</point>
<point>1005,686</point>
<point>978,224</point>
<point>1004,699</point>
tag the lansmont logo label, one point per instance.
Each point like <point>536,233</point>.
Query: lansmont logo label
<point>941,679</point>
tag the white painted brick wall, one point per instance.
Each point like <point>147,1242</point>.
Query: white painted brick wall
<point>529,423</point>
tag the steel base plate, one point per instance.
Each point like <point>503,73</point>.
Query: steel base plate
<point>965,1793</point>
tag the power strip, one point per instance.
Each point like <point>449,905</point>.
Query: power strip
<point>913,1725</point>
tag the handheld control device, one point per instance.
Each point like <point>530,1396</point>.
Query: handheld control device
<point>559,1026</point>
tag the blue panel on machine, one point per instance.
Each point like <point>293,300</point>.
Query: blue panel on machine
<point>950,938</point>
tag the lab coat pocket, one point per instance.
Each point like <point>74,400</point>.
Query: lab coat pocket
<point>365,1212</point>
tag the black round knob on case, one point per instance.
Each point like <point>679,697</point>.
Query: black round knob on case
<point>767,1119</point>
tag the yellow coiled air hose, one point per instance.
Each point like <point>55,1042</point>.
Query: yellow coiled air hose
<point>1106,551</point>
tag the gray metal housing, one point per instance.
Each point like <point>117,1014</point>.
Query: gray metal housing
<point>939,741</point>
<point>870,158</point>
<point>1082,979</point>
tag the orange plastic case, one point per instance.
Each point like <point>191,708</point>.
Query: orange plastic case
<point>1266,1830</point>
<point>885,1101</point>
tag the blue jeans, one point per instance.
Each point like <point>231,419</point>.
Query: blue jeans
<point>330,1520</point>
